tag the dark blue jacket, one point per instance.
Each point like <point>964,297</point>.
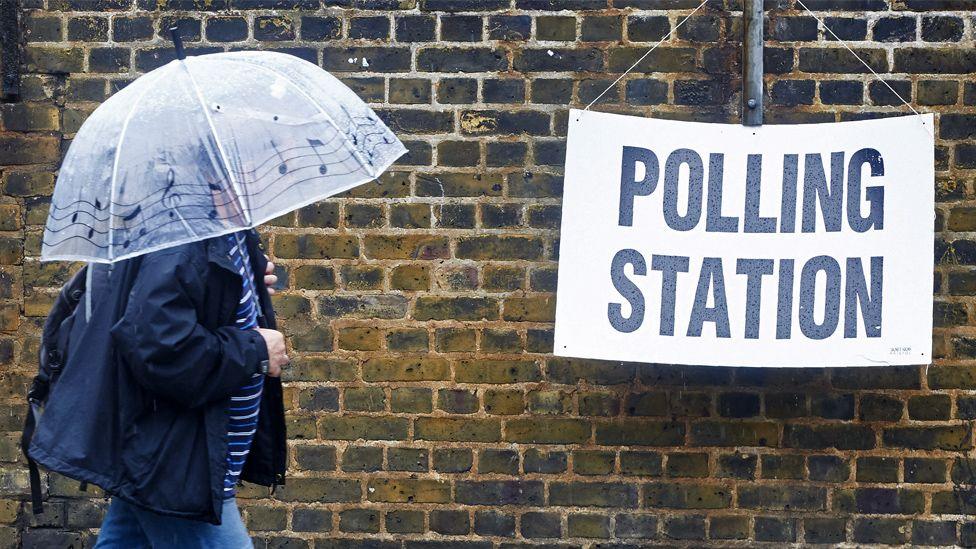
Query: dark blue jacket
<point>141,405</point>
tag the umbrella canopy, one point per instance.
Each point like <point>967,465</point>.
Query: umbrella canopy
<point>209,145</point>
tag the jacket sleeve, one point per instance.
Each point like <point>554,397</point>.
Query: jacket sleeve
<point>165,347</point>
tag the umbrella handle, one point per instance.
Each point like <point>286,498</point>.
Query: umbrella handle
<point>174,31</point>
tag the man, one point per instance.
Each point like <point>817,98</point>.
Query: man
<point>194,402</point>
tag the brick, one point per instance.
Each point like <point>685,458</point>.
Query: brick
<point>685,527</point>
<point>461,430</point>
<point>846,5</point>
<point>453,460</point>
<point>320,28</point>
<point>877,469</point>
<point>505,123</point>
<point>782,498</point>
<point>555,28</point>
<point>737,466</point>
<point>933,532</point>
<point>455,308</point>
<point>888,501</point>
<point>509,27</point>
<point>16,150</point>
<point>925,470</point>
<point>499,492</point>
<point>503,462</point>
<point>548,431</point>
<point>457,153</point>
<point>43,29</point>
<point>592,494</point>
<point>406,369</point>
<point>687,465</point>
<point>405,247</point>
<point>404,522</point>
<point>369,28</point>
<point>359,520</point>
<point>782,467</point>
<point>738,405</point>
<point>640,433</point>
<point>507,90</point>
<point>378,59</point>
<point>364,399</point>
<point>934,61</point>
<point>894,29</point>
<point>929,407</point>
<point>843,437</point>
<point>887,531</point>
<point>311,520</point>
<point>461,28</point>
<point>541,525</point>
<point>318,369</point>
<point>320,399</point>
<point>776,529</point>
<point>664,59</point>
<point>457,90</point>
<point>88,29</point>
<point>410,90</point>
<point>558,59</point>
<point>404,490</point>
<point>497,371</point>
<point>309,246</point>
<point>710,433</point>
<point>452,523</point>
<point>461,60</point>
<point>841,92</point>
<point>323,490</point>
<point>226,29</point>
<point>462,5</point>
<point>839,60</point>
<point>882,94</point>
<point>898,377</point>
<point>362,427</point>
<point>928,438</point>
<point>686,496</point>
<point>791,93</point>
<point>457,401</point>
<point>832,406</point>
<point>494,523</point>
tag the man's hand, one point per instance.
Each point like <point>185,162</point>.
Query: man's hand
<point>269,278</point>
<point>277,358</point>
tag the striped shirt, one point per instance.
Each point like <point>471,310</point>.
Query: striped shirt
<point>246,402</point>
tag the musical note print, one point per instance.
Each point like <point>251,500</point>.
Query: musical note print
<point>127,230</point>
<point>283,167</point>
<point>195,194</point>
<point>315,144</point>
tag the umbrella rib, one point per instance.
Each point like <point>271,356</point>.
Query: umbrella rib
<point>115,171</point>
<point>366,164</point>
<point>220,149</point>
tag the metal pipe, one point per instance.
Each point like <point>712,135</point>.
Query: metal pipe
<point>752,63</point>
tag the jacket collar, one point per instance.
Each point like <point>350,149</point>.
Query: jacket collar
<point>218,250</point>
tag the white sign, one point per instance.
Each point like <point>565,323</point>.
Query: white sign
<point>794,245</point>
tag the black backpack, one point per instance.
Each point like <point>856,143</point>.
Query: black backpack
<point>54,339</point>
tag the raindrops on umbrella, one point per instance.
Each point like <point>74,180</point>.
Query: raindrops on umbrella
<point>209,145</point>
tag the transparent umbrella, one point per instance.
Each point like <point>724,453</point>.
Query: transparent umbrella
<point>208,145</point>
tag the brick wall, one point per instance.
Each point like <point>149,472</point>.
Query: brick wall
<point>424,408</point>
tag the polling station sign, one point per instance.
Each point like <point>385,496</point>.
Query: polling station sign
<point>776,246</point>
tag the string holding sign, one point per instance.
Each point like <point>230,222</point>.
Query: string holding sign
<point>877,76</point>
<point>820,21</point>
<point>643,57</point>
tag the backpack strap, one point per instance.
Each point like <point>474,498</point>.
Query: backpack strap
<point>51,362</point>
